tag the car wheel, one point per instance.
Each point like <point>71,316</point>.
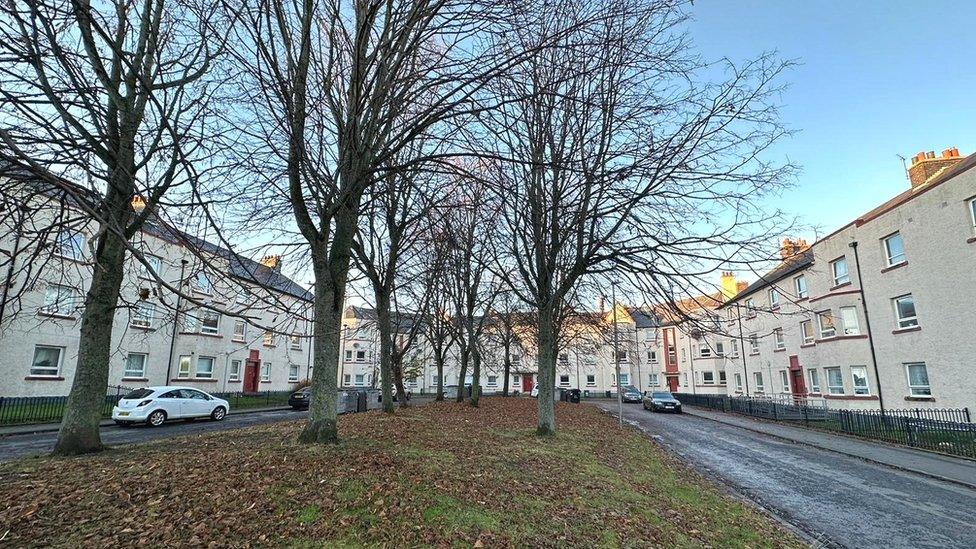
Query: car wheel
<point>218,414</point>
<point>156,418</point>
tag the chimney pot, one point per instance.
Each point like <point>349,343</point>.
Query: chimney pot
<point>926,166</point>
<point>271,261</point>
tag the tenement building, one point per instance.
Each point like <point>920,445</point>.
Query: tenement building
<point>236,324</point>
<point>879,313</point>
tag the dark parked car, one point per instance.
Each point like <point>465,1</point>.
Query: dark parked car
<point>631,394</point>
<point>299,399</point>
<point>662,401</point>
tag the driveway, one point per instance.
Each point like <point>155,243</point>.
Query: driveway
<point>15,446</point>
<point>842,501</point>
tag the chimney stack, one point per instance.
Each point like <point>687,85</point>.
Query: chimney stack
<point>791,248</point>
<point>272,262</point>
<point>926,166</point>
<point>138,204</point>
<point>729,286</point>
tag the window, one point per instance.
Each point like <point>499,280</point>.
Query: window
<point>59,300</point>
<point>516,360</point>
<point>492,380</point>
<point>268,338</point>
<point>848,317</point>
<point>240,330</point>
<point>905,311</point>
<point>918,378</point>
<point>210,322</point>
<point>348,355</point>
<point>972,212</point>
<point>412,382</point>
<point>563,358</point>
<point>735,347</point>
<point>720,349</point>
<point>243,297</point>
<point>835,381</point>
<point>806,330</point>
<point>47,361</point>
<point>69,243</point>
<point>750,308</point>
<point>784,380</point>
<point>266,371</point>
<point>652,356</point>
<point>649,335</point>
<point>859,377</point>
<point>684,379</point>
<point>800,285</point>
<point>564,380</point>
<point>191,322</point>
<point>293,372</point>
<point>624,379</point>
<point>154,266</point>
<point>738,382</point>
<point>361,356</point>
<point>347,378</point>
<point>826,323</point>
<point>590,380</point>
<point>205,366</point>
<point>814,376</point>
<point>621,356</point>
<point>652,380</point>
<point>754,344</point>
<point>779,339</point>
<point>184,370</point>
<point>708,378</point>
<point>296,341</point>
<point>142,315</point>
<point>894,249</point>
<point>361,380</point>
<point>135,366</point>
<point>773,298</point>
<point>722,378</point>
<point>201,283</point>
<point>704,350</point>
<point>839,268</point>
<point>234,374</point>
<point>759,381</point>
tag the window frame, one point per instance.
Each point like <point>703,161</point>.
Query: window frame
<point>972,213</point>
<point>820,326</point>
<point>738,381</point>
<point>846,276</point>
<point>297,370</point>
<point>707,381</point>
<point>624,379</point>
<point>265,367</point>
<point>779,339</point>
<point>860,390</point>
<point>757,377</point>
<point>564,383</point>
<point>210,315</point>
<point>801,292</point>
<point>753,344</point>
<point>195,284</point>
<point>57,368</point>
<point>652,379</point>
<point>134,374</point>
<point>773,294</point>
<point>213,365</point>
<point>242,335</point>
<point>813,377</point>
<point>65,301</point>
<point>912,388</point>
<point>704,351</point>
<point>835,389</point>
<point>77,240</point>
<point>843,321</point>
<point>889,259</point>
<point>295,341</point>
<point>181,372</point>
<point>784,380</point>
<point>157,266</point>
<point>912,321</point>
<point>268,338</point>
<point>234,371</point>
<point>140,320</point>
<point>804,325</point>
<point>590,380</point>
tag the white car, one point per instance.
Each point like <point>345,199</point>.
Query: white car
<point>155,405</point>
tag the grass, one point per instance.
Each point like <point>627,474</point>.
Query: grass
<point>442,474</point>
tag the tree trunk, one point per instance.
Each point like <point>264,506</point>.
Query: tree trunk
<point>385,326</point>
<point>475,376</point>
<point>547,372</point>
<point>439,363</point>
<point>327,328</point>
<point>79,432</point>
<point>396,365</point>
<point>508,369</point>
<point>465,353</point>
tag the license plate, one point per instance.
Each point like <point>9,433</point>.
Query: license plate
<point>123,413</point>
<point>669,405</point>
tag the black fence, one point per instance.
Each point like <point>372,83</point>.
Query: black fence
<point>50,409</point>
<point>950,431</point>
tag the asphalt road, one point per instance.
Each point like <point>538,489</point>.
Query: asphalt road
<point>839,500</point>
<point>16,446</point>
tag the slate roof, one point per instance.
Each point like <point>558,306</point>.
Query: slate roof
<point>786,268</point>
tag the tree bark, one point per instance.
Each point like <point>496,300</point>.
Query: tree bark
<point>461,375</point>
<point>79,432</point>
<point>385,327</point>
<point>547,372</point>
<point>322,426</point>
<point>475,376</point>
<point>439,363</point>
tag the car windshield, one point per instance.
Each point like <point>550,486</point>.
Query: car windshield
<point>661,395</point>
<point>138,393</point>
<point>631,389</point>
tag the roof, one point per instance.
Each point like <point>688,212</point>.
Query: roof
<point>644,318</point>
<point>240,267</point>
<point>403,322</point>
<point>786,268</point>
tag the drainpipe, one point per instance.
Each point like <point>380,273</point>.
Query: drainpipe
<point>867,324</point>
<point>637,357</point>
<point>176,322</point>
<point>691,365</point>
<point>742,347</point>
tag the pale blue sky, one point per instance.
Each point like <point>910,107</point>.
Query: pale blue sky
<point>877,79</point>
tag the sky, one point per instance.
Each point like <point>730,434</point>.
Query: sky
<point>876,79</point>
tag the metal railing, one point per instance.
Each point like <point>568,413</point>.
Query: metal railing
<point>946,430</point>
<point>44,409</point>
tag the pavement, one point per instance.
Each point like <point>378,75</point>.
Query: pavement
<point>835,498</point>
<point>951,469</point>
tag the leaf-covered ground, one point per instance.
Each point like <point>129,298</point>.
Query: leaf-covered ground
<point>440,474</point>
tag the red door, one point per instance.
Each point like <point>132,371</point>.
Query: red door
<point>252,369</point>
<point>796,377</point>
<point>673,384</point>
<point>526,383</point>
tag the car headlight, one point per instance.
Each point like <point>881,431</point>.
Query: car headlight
<point>143,403</point>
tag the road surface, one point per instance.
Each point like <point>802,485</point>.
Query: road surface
<point>15,446</point>
<point>839,500</point>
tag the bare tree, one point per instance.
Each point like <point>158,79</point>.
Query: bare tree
<point>436,322</point>
<point>113,98</point>
<point>623,159</point>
